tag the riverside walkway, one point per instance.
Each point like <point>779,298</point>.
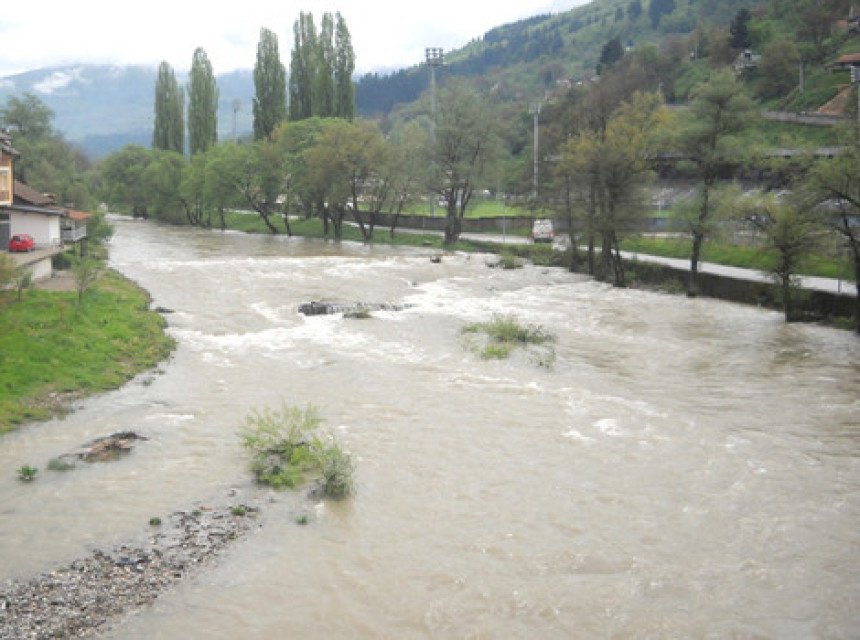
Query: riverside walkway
<point>813,283</point>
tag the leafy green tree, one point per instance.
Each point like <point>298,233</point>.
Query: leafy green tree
<point>122,176</point>
<point>249,175</point>
<point>611,165</point>
<point>202,104</point>
<point>86,272</point>
<point>294,141</point>
<point>27,117</point>
<point>270,86</point>
<point>790,234</point>
<point>347,165</point>
<point>778,69</point>
<point>161,181</point>
<point>465,144</point>
<point>709,137</point>
<point>405,170</point>
<point>47,162</point>
<point>191,190</point>
<point>168,132</point>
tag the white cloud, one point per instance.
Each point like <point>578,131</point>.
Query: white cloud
<point>57,80</point>
<point>385,33</point>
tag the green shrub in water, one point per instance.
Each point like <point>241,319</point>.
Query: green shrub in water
<point>26,472</point>
<point>502,334</point>
<point>286,450</point>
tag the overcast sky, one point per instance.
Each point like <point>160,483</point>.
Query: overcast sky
<point>386,34</point>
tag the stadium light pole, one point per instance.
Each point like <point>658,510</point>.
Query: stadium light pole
<point>435,57</point>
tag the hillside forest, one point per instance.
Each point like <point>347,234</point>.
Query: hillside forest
<point>622,93</point>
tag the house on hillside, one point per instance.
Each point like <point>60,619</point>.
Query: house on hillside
<point>25,210</point>
<point>846,61</point>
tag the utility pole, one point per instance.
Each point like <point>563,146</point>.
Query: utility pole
<point>534,109</point>
<point>237,104</point>
<point>435,58</point>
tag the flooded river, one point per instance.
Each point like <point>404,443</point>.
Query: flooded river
<point>686,468</point>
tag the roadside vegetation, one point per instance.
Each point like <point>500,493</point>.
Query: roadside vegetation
<point>287,450</point>
<point>59,346</point>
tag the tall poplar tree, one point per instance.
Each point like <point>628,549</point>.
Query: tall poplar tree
<point>324,88</point>
<point>343,70</point>
<point>202,104</point>
<point>303,67</point>
<point>321,69</point>
<point>169,129</point>
<point>270,85</point>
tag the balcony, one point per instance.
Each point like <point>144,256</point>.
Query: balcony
<point>74,234</point>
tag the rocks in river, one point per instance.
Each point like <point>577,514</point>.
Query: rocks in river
<point>103,449</point>
<point>90,593</point>
<point>323,308</point>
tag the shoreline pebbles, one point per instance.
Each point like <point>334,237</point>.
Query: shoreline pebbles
<point>91,593</point>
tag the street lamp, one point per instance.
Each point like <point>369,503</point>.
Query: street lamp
<point>435,58</point>
<point>534,109</point>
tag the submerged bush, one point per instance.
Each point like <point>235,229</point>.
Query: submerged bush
<point>286,450</point>
<point>502,334</point>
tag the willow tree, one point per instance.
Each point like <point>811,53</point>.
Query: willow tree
<point>465,144</point>
<point>168,132</point>
<point>270,86</point>
<point>608,167</point>
<point>202,104</point>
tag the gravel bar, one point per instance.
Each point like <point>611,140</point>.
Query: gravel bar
<point>86,596</point>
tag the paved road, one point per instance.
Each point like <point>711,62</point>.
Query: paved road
<point>831,285</point>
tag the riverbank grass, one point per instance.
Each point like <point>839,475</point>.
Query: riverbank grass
<point>55,348</point>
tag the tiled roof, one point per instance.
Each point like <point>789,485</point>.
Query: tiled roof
<point>25,195</point>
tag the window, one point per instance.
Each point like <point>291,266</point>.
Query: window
<point>5,186</point>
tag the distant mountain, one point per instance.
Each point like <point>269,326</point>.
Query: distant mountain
<point>100,108</point>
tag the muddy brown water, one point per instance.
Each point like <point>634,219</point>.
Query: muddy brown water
<point>686,468</point>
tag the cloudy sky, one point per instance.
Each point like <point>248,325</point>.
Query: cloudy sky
<point>386,34</point>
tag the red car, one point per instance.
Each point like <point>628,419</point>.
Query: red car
<point>22,242</point>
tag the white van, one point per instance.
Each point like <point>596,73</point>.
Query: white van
<point>542,230</point>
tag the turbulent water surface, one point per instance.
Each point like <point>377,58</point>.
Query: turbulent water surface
<point>683,467</point>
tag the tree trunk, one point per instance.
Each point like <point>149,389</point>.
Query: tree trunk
<point>452,226</point>
<point>693,284</point>
<point>855,250</point>
<point>617,263</point>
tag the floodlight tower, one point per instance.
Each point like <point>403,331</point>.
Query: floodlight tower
<point>435,57</point>
<point>534,109</point>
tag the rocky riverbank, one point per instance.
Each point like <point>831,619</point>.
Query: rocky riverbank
<point>91,593</point>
